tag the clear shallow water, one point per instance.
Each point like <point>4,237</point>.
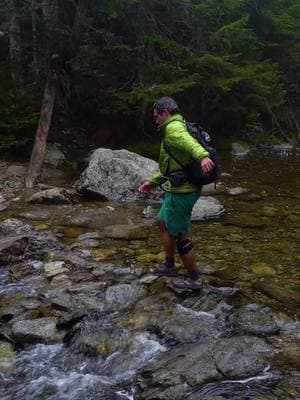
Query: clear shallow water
<point>255,246</point>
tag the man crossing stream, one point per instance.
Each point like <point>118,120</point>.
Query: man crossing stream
<point>174,217</point>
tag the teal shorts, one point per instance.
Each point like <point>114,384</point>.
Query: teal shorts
<point>176,212</point>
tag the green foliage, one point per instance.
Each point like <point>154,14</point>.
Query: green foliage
<point>237,38</point>
<point>229,63</point>
<point>18,118</point>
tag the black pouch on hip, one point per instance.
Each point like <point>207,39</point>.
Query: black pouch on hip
<point>177,178</point>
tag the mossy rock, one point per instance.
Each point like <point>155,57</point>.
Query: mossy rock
<point>104,348</point>
<point>7,358</point>
<point>276,246</point>
<point>147,258</point>
<point>262,269</point>
<point>269,211</point>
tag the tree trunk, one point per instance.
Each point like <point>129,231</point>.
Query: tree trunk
<point>39,147</point>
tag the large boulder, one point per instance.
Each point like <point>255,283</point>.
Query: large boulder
<point>177,373</point>
<point>116,174</point>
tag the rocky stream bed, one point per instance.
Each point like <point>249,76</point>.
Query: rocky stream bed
<point>82,317</point>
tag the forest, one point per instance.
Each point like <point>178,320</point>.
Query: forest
<point>233,65</point>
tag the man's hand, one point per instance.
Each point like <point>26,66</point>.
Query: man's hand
<point>206,165</point>
<point>145,187</point>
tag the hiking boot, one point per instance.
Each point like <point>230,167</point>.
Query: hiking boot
<point>163,270</point>
<point>187,284</point>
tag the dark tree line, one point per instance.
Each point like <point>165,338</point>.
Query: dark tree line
<point>234,65</point>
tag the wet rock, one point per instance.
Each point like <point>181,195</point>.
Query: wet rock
<point>116,174</point>
<point>262,269</point>
<point>68,320</point>
<point>176,373</point>
<point>126,232</point>
<point>60,281</point>
<point>40,330</point>
<point>72,258</point>
<point>282,294</point>
<point>12,248</point>
<point>14,227</point>
<point>89,236</point>
<point>207,208</point>
<point>87,243</point>
<point>257,320</point>
<point>53,196</point>
<point>237,191</point>
<point>238,150</point>
<point>148,212</point>
<point>54,268</point>
<point>119,297</point>
<point>187,326</point>
<point>18,271</point>
<point>90,288</point>
<point>62,303</point>
<point>97,218</point>
<point>3,203</point>
<point>135,352</point>
<point>284,148</point>
<point>37,215</point>
<point>148,279</point>
<point>101,340</point>
<point>7,358</point>
<point>39,243</point>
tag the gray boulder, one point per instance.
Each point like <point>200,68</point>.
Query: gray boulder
<point>41,330</point>
<point>19,239</point>
<point>256,319</point>
<point>207,208</point>
<point>36,215</point>
<point>116,174</point>
<point>14,227</point>
<point>119,297</point>
<point>178,372</point>
<point>53,196</point>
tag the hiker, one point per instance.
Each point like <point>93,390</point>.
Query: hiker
<point>174,217</point>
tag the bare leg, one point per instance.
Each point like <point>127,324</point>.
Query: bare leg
<point>168,241</point>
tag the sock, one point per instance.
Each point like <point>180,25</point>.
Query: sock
<point>169,262</point>
<point>194,275</point>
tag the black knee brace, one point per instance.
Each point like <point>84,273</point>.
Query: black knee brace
<point>184,246</point>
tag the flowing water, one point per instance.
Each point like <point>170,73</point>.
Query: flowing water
<point>254,246</point>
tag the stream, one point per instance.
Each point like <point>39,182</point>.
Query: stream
<point>110,331</point>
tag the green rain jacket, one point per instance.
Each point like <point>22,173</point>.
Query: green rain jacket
<point>184,147</point>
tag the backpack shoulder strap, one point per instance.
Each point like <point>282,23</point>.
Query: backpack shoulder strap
<point>167,148</point>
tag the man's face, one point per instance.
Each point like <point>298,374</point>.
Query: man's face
<point>160,116</point>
